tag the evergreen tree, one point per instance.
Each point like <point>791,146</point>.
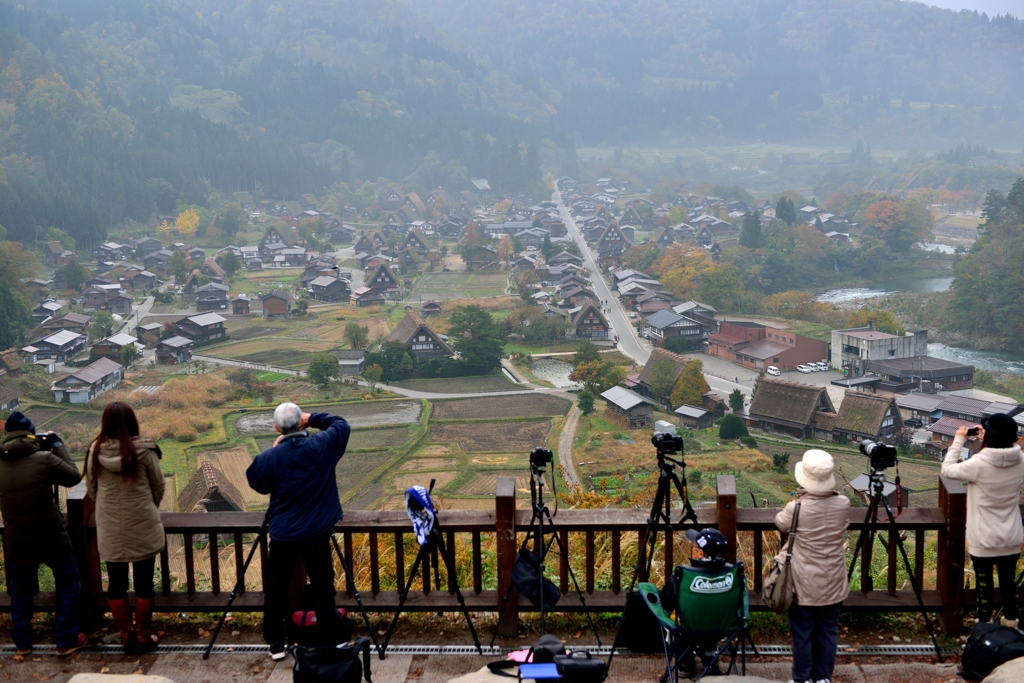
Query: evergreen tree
<point>586,402</point>
<point>785,211</point>
<point>750,234</point>
<point>75,275</point>
<point>691,385</point>
<point>547,248</point>
<point>736,400</point>
<point>477,337</point>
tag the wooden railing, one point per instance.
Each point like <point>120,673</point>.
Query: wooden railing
<point>602,543</point>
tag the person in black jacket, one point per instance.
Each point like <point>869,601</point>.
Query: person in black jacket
<point>298,474</point>
<point>35,530</point>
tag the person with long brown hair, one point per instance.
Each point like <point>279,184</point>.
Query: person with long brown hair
<point>123,476</point>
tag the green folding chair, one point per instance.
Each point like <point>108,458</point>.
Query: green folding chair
<point>710,606</point>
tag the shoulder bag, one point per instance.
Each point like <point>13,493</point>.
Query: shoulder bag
<point>777,590</point>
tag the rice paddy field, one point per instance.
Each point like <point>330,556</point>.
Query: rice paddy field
<point>449,286</point>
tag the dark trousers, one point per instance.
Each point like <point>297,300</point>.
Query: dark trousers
<point>142,572</point>
<point>1007,568</point>
<point>315,554</point>
<point>815,632</point>
<point>25,585</point>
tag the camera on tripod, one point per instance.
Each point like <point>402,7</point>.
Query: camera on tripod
<point>881,455</point>
<point>540,458</point>
<point>665,438</point>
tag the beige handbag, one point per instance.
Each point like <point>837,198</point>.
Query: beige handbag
<point>777,590</point>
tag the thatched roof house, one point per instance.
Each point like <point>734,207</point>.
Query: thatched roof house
<point>646,377</point>
<point>210,491</point>
<point>866,416</point>
<point>787,407</point>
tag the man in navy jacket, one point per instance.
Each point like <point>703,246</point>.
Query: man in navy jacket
<point>298,474</point>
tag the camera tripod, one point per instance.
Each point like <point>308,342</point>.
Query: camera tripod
<point>428,556</point>
<point>867,540</point>
<point>660,518</point>
<point>240,586</point>
<point>536,533</point>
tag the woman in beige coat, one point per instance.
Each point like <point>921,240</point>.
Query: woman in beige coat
<point>122,473</point>
<point>819,567</point>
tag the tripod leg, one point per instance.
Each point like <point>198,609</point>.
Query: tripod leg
<point>860,543</point>
<point>402,598</point>
<point>565,558</point>
<point>918,590</point>
<point>239,585</point>
<point>661,498</point>
<point>453,579</point>
<point>351,581</point>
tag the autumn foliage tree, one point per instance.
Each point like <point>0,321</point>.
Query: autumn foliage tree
<point>691,385</point>
<point>187,223</point>
<point>681,267</point>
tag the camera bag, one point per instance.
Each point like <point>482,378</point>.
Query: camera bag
<point>989,646</point>
<point>332,664</point>
<point>580,667</point>
<point>528,580</point>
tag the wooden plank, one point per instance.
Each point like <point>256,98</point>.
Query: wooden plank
<point>563,562</point>
<point>758,560</point>
<point>239,561</point>
<point>505,529</point>
<point>165,572</point>
<point>589,537</point>
<point>350,581</point>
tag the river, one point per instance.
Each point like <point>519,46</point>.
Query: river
<point>998,361</point>
<point>919,285</point>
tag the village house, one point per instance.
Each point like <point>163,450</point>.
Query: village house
<point>923,373</point>
<point>943,431</point>
<point>692,417</point>
<point>666,326</point>
<point>89,382</point>
<point>788,408</point>
<point>364,296</point>
<point>213,296</point>
<point>146,244</point>
<point>329,289</point>
<point>174,351</point>
<point>757,346</point>
<point>429,308</point>
<point>157,260</point>
<point>61,346</point>
<point>588,323</point>
<point>276,304</point>
<point>627,410</point>
<point>212,270</point>
<point>45,310</point>
<point>275,240</point>
<point>351,362</point>
<point>210,491</point>
<point>861,416</point>
<point>240,305</point>
<point>112,346</point>
<point>920,407</point>
<point>654,366</point>
<point>202,329</point>
<point>73,322</point>
<point>424,343</point>
<point>713,403</point>
<point>384,281</point>
<point>9,398</point>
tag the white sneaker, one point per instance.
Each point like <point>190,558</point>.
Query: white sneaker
<point>277,651</point>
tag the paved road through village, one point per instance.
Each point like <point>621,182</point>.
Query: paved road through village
<point>630,343</point>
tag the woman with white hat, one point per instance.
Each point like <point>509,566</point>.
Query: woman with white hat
<point>819,566</point>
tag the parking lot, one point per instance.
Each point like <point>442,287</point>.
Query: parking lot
<point>723,369</point>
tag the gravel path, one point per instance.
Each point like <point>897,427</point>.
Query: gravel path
<point>565,440</point>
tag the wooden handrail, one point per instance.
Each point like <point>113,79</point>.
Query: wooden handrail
<point>595,535</point>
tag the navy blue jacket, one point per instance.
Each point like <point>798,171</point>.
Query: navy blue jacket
<point>298,474</point>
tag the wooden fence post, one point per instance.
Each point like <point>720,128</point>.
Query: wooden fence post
<point>80,509</point>
<point>505,528</point>
<point>727,512</point>
<point>949,576</point>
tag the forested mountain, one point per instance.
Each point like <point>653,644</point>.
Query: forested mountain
<point>894,72</point>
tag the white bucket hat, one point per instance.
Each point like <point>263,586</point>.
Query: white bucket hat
<point>814,472</point>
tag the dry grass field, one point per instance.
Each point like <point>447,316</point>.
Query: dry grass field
<point>462,385</point>
<point>486,437</point>
<point>232,462</point>
<point>533,405</point>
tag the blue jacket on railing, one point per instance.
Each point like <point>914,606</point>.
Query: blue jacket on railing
<point>298,474</point>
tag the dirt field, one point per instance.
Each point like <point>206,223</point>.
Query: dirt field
<point>353,469</point>
<point>498,437</point>
<point>425,464</point>
<point>273,351</point>
<point>252,332</point>
<point>378,438</point>
<point>370,414</point>
<point>485,483</point>
<point>404,481</point>
<point>233,462</point>
<point>40,416</point>
<point>534,405</point>
<point>462,385</point>
<point>77,420</point>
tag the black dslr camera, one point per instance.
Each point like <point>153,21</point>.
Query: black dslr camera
<point>881,456</point>
<point>667,443</point>
<point>541,457</point>
<point>47,441</point>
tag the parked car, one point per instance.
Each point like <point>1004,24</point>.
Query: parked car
<point>804,368</point>
<point>773,371</point>
<point>913,422</point>
<point>822,365</point>
<point>632,314</point>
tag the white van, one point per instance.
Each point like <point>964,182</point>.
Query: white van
<point>803,368</point>
<point>822,366</point>
<point>773,371</point>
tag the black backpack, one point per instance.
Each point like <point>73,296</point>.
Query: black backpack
<point>332,664</point>
<point>989,646</point>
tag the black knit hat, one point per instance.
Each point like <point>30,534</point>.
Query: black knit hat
<point>1000,431</point>
<point>19,422</point>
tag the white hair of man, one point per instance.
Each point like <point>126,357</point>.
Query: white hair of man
<point>288,418</point>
